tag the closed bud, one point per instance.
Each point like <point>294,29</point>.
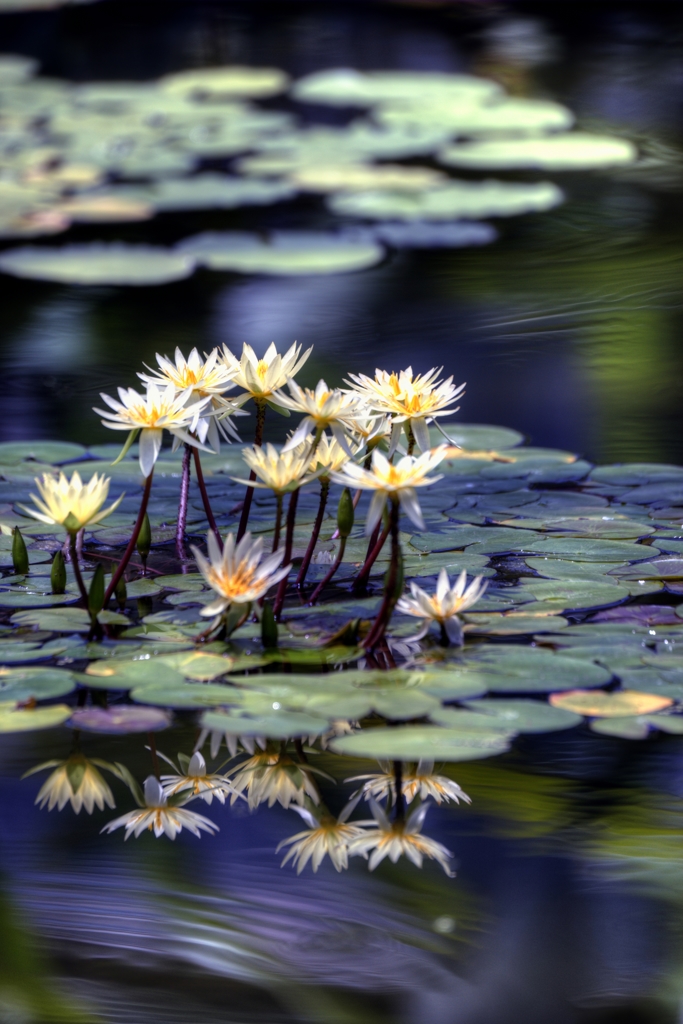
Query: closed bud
<point>121,591</point>
<point>58,573</point>
<point>19,553</point>
<point>400,579</point>
<point>144,541</point>
<point>345,513</point>
<point>269,634</point>
<point>96,592</point>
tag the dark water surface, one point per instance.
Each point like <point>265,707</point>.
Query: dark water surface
<point>568,902</point>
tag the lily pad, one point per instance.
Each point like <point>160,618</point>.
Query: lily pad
<point>609,705</point>
<point>562,152</point>
<point>276,725</point>
<point>526,715</point>
<point>66,620</point>
<point>22,684</point>
<point>346,87</point>
<point>255,83</point>
<point>411,743</point>
<point>120,719</point>
<point>507,117</point>
<point>13,719</point>
<point>98,263</point>
<point>211,191</point>
<point>185,695</point>
<point>288,253</point>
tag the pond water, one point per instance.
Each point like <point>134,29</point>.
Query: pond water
<point>567,901</point>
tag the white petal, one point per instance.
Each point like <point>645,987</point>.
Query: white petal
<point>150,446</point>
<point>379,500</point>
<point>411,507</point>
<point>421,432</point>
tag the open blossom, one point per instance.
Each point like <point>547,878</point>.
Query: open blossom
<point>399,838</point>
<point>325,836</point>
<point>417,782</point>
<point>323,409</point>
<point>412,400</point>
<point>71,503</point>
<point>76,781</point>
<point>444,605</point>
<point>396,482</point>
<point>328,457</point>
<point>201,377</point>
<point>260,378</point>
<point>151,414</point>
<point>270,777</point>
<point>158,816</point>
<point>196,780</point>
<point>233,742</point>
<point>237,574</point>
<point>278,471</point>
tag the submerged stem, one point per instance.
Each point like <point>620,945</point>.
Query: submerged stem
<point>73,551</point>
<point>258,442</point>
<point>390,597</point>
<point>400,812</point>
<point>333,569</point>
<point>324,491</point>
<point>205,497</point>
<point>289,538</point>
<point>123,564</point>
<point>182,503</point>
<point>361,580</point>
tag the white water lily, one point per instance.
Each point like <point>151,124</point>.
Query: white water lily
<point>392,482</point>
<point>325,836</point>
<point>417,782</point>
<point>399,838</point>
<point>195,780</point>
<point>443,606</point>
<point>323,408</point>
<point>151,414</point>
<point>271,777</point>
<point>410,400</point>
<point>279,472</point>
<point>159,817</point>
<point>76,781</point>
<point>71,503</point>
<point>260,378</point>
<point>237,573</point>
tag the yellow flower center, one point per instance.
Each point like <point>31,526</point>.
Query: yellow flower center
<point>261,369</point>
<point>235,585</point>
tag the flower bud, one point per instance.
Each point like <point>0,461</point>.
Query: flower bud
<point>58,573</point>
<point>121,590</point>
<point>345,513</point>
<point>19,553</point>
<point>144,541</point>
<point>96,593</point>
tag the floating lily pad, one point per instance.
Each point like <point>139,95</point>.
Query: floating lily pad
<point>211,191</point>
<point>433,234</point>
<point>526,715</point>
<point>120,719</point>
<point>13,719</point>
<point>22,684</point>
<point>123,674</point>
<point>287,253</point>
<point>21,599</point>
<point>227,81</point>
<point>506,117</point>
<point>411,743</point>
<point>346,87</point>
<point>514,669</point>
<point>609,705</point>
<point>513,623</point>
<point>98,263</point>
<point>66,620</point>
<point>276,725</point>
<point>563,152</point>
<point>54,452</point>
<point>185,695</point>
<point>590,550</point>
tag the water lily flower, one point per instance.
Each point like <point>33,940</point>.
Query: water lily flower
<point>325,836</point>
<point>399,838</point>
<point>193,777</point>
<point>237,574</point>
<point>261,378</point>
<point>413,401</point>
<point>201,377</point>
<point>151,414</point>
<point>71,503</point>
<point>232,742</point>
<point>329,457</point>
<point>76,781</point>
<point>396,482</point>
<point>417,782</point>
<point>159,816</point>
<point>271,777</point>
<point>443,606</point>
<point>280,472</point>
<point>323,409</point>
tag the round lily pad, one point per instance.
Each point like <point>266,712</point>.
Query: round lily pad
<point>276,725</point>
<point>211,191</point>
<point>185,695</point>
<point>226,81</point>
<point>514,669</point>
<point>13,719</point>
<point>609,705</point>
<point>287,253</point>
<point>98,263</point>
<point>21,684</point>
<point>346,87</point>
<point>562,152</point>
<point>508,116</point>
<point>526,715</point>
<point>120,719</point>
<point>54,452</point>
<point>411,743</point>
<point>122,673</point>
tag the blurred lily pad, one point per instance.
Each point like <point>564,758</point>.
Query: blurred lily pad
<point>526,715</point>
<point>120,719</point>
<point>276,725</point>
<point>13,719</point>
<point>98,263</point>
<point>22,684</point>
<point>346,87</point>
<point>287,253</point>
<point>609,705</point>
<point>561,152</point>
<point>411,743</point>
<point>227,81</point>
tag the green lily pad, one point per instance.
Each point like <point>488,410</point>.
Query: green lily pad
<point>287,253</point>
<point>411,743</point>
<point>513,669</point>
<point>526,715</point>
<point>54,452</point>
<point>185,695</point>
<point>20,599</point>
<point>579,550</point>
<point>97,263</point>
<point>66,620</point>
<point>13,719</point>
<point>120,720</point>
<point>276,725</point>
<point>237,81</point>
<point>513,623</point>
<point>562,152</point>
<point>211,191</point>
<point>22,684</point>
<point>345,87</point>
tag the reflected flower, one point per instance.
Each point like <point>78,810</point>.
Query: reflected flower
<point>280,472</point>
<point>325,836</point>
<point>232,742</point>
<point>260,378</point>
<point>396,482</point>
<point>417,782</point>
<point>193,778</point>
<point>237,573</point>
<point>323,409</point>
<point>158,816</point>
<point>443,606</point>
<point>275,778</point>
<point>151,414</point>
<point>399,838</point>
<point>412,400</point>
<point>71,503</point>
<point>77,781</point>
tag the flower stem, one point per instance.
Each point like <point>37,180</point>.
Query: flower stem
<point>324,491</point>
<point>289,538</point>
<point>400,812</point>
<point>205,497</point>
<point>73,551</point>
<point>278,522</point>
<point>113,583</point>
<point>411,437</point>
<point>384,614</point>
<point>182,503</point>
<point>258,442</point>
<point>361,580</point>
<point>337,562</point>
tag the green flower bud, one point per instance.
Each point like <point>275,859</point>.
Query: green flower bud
<point>345,513</point>
<point>400,578</point>
<point>269,633</point>
<point>19,553</point>
<point>121,590</point>
<point>58,573</point>
<point>96,593</point>
<point>144,541</point>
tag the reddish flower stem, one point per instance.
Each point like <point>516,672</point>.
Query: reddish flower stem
<point>324,491</point>
<point>258,442</point>
<point>205,497</point>
<point>182,503</point>
<point>113,583</point>
<point>361,580</point>
<point>289,538</point>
